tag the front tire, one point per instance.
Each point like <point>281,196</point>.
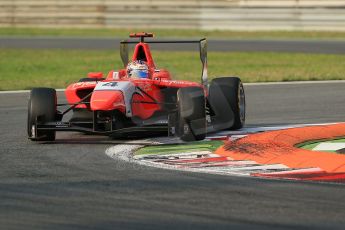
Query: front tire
<point>42,105</point>
<point>191,114</point>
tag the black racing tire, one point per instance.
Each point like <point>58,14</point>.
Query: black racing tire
<point>87,79</point>
<point>42,104</point>
<point>228,92</point>
<point>191,114</point>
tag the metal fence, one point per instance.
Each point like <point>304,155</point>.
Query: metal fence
<point>195,14</point>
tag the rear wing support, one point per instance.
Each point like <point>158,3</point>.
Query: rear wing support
<point>202,49</point>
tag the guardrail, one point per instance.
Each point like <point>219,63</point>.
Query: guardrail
<point>197,14</point>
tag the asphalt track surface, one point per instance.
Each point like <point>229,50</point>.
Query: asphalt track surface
<point>72,184</point>
<point>302,46</point>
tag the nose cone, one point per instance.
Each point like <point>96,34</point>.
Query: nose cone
<point>107,100</point>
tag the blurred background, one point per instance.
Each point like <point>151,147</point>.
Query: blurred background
<point>187,14</point>
<point>55,42</point>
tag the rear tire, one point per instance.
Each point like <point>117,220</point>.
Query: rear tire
<point>191,114</point>
<point>228,92</point>
<point>42,104</point>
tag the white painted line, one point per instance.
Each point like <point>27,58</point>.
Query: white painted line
<point>246,170</point>
<point>250,167</point>
<point>198,160</point>
<point>247,130</point>
<point>166,140</point>
<point>295,83</point>
<point>246,84</point>
<point>296,171</point>
<point>221,164</point>
<point>327,146</point>
<point>24,91</point>
<point>236,137</point>
<point>183,155</point>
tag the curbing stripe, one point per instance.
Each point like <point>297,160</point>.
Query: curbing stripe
<point>222,164</point>
<point>191,154</point>
<point>251,168</point>
<point>279,147</point>
<point>292,171</point>
<point>310,176</point>
<point>271,154</point>
<point>199,160</point>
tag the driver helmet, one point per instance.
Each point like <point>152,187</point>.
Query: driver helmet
<point>137,69</point>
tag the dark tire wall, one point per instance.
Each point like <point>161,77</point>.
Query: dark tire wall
<point>224,99</point>
<point>42,103</point>
<point>191,118</point>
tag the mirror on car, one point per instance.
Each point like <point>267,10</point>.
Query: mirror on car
<point>203,50</point>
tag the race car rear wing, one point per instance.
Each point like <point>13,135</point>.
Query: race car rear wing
<point>202,49</point>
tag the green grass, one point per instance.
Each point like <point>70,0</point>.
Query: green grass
<point>24,68</point>
<point>182,33</point>
<point>171,149</point>
<point>311,145</point>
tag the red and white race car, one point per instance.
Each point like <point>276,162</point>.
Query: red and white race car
<point>140,99</point>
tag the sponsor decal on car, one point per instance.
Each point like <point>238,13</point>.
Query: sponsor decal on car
<point>83,84</point>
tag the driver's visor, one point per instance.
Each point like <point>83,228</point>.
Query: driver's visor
<point>139,73</point>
